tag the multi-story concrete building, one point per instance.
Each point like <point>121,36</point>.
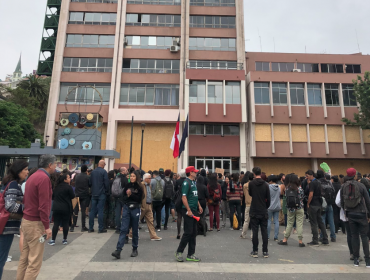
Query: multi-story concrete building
<point>296,103</point>
<point>153,60</point>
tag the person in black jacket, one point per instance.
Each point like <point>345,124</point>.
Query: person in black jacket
<point>118,201</point>
<point>62,207</point>
<point>83,193</point>
<point>132,196</point>
<point>203,195</point>
<point>336,210</point>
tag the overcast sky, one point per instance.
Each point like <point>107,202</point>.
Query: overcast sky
<point>315,26</point>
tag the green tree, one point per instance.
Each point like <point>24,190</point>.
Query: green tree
<point>361,90</point>
<point>16,130</point>
<point>38,88</point>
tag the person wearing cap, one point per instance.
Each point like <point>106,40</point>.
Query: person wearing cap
<point>358,215</point>
<point>189,209</point>
<point>161,173</point>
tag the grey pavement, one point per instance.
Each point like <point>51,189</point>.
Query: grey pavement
<point>224,256</point>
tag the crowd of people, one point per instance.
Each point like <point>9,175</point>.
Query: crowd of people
<point>34,199</point>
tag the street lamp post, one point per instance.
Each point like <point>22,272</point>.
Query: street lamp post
<point>142,140</point>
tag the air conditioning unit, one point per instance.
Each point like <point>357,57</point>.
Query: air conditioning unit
<point>125,41</point>
<point>176,42</point>
<point>296,70</point>
<point>174,49</point>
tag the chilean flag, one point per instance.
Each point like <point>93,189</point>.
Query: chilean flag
<point>175,139</point>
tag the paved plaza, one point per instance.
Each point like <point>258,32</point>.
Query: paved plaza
<point>224,256</point>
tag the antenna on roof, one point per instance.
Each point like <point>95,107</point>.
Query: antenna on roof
<point>358,44</point>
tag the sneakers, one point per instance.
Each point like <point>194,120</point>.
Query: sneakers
<point>83,229</point>
<point>91,230</point>
<point>275,239</point>
<point>326,243</point>
<point>281,242</point>
<point>72,229</point>
<point>192,258</point>
<point>179,257</point>
<point>156,238</point>
<point>64,242</point>
<point>51,242</point>
<point>102,231</point>
<point>301,245</point>
<point>165,228</point>
<point>333,240</point>
<point>265,255</point>
<point>313,244</point>
<point>368,263</point>
<point>254,254</point>
<point>134,253</point>
<point>116,254</point>
<point>158,229</point>
<point>356,262</point>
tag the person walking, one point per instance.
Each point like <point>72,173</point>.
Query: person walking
<point>234,195</point>
<point>157,185</point>
<point>99,185</point>
<point>203,196</point>
<point>215,195</point>
<point>260,192</point>
<point>35,223</point>
<point>82,191</point>
<point>295,208</point>
<point>224,203</point>
<point>62,207</point>
<point>248,200</point>
<point>275,206</point>
<point>132,197</point>
<point>189,209</point>
<point>13,198</point>
<point>118,200</point>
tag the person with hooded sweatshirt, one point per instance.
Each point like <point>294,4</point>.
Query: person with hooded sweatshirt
<point>260,192</point>
<point>336,210</point>
<point>203,173</point>
<point>275,206</point>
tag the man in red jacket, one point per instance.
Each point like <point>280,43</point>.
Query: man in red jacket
<point>35,223</point>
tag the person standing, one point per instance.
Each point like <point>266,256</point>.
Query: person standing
<point>215,195</point>
<point>157,185</point>
<point>189,209</point>
<point>178,207</point>
<point>224,203</point>
<point>203,196</point>
<point>62,207</point>
<point>168,192</point>
<point>99,185</point>
<point>260,193</point>
<point>248,200</point>
<point>35,223</point>
<point>234,195</point>
<point>13,198</point>
<point>118,200</point>
<point>83,193</point>
<point>275,206</point>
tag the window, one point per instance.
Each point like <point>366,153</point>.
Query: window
<point>353,68</point>
<point>282,66</point>
<point>155,2</point>
<point>261,93</point>
<point>332,68</point>
<point>296,94</point>
<point>308,67</point>
<point>213,129</point>
<point>96,1</point>
<point>215,92</point>
<point>348,98</point>
<point>196,129</point>
<point>230,130</point>
<point>314,94</point>
<point>149,42</point>
<point>197,92</point>
<point>87,64</point>
<point>279,93</point>
<point>153,20</point>
<point>262,66</point>
<point>92,18</point>
<point>212,44</point>
<point>212,21</point>
<point>150,66</point>
<point>148,94</point>
<point>331,95</point>
<point>232,92</point>
<point>229,3</point>
<point>84,95</point>
<point>90,41</point>
<point>214,64</point>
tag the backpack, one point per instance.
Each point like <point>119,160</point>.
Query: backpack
<point>351,195</point>
<point>158,191</point>
<point>292,199</point>
<point>327,191</point>
<point>4,214</point>
<point>216,196</point>
<point>117,189</point>
<point>168,188</point>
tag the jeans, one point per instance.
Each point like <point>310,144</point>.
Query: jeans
<point>84,203</point>
<point>6,241</point>
<point>167,205</point>
<point>130,218</point>
<point>256,221</point>
<point>157,208</point>
<point>190,233</point>
<point>225,211</point>
<point>119,206</point>
<point>316,221</point>
<point>235,204</point>
<point>97,207</point>
<point>359,227</point>
<point>330,215</point>
<point>275,216</point>
<point>295,219</point>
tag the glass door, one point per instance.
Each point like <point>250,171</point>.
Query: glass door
<point>209,165</point>
<point>226,163</point>
<point>199,163</point>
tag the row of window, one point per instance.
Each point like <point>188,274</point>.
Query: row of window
<point>85,94</point>
<point>212,21</point>
<point>213,64</point>
<point>197,92</point>
<point>92,18</point>
<point>153,20</point>
<point>146,94</point>
<point>155,2</point>
<point>222,3</point>
<point>90,41</point>
<point>279,94</point>
<point>87,64</point>
<point>96,1</point>
<point>307,67</point>
<point>151,66</point>
<point>149,42</point>
<point>230,3</point>
<point>212,44</point>
<point>213,129</point>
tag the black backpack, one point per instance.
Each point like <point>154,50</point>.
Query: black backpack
<point>292,199</point>
<point>327,191</point>
<point>168,188</point>
<point>351,195</point>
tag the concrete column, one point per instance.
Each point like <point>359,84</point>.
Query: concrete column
<point>323,98</point>
<point>252,140</point>
<point>224,96</point>
<point>272,139</point>
<point>344,139</point>
<point>288,99</point>
<point>271,100</point>
<point>290,139</point>
<point>326,139</point>
<point>243,100</point>
<point>314,164</point>
<point>240,42</point>
<point>185,154</point>
<point>363,151</point>
<point>252,105</point>
<point>51,118</point>
<point>306,100</point>
<point>243,146</point>
<point>308,139</point>
<point>341,103</point>
<point>206,97</point>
